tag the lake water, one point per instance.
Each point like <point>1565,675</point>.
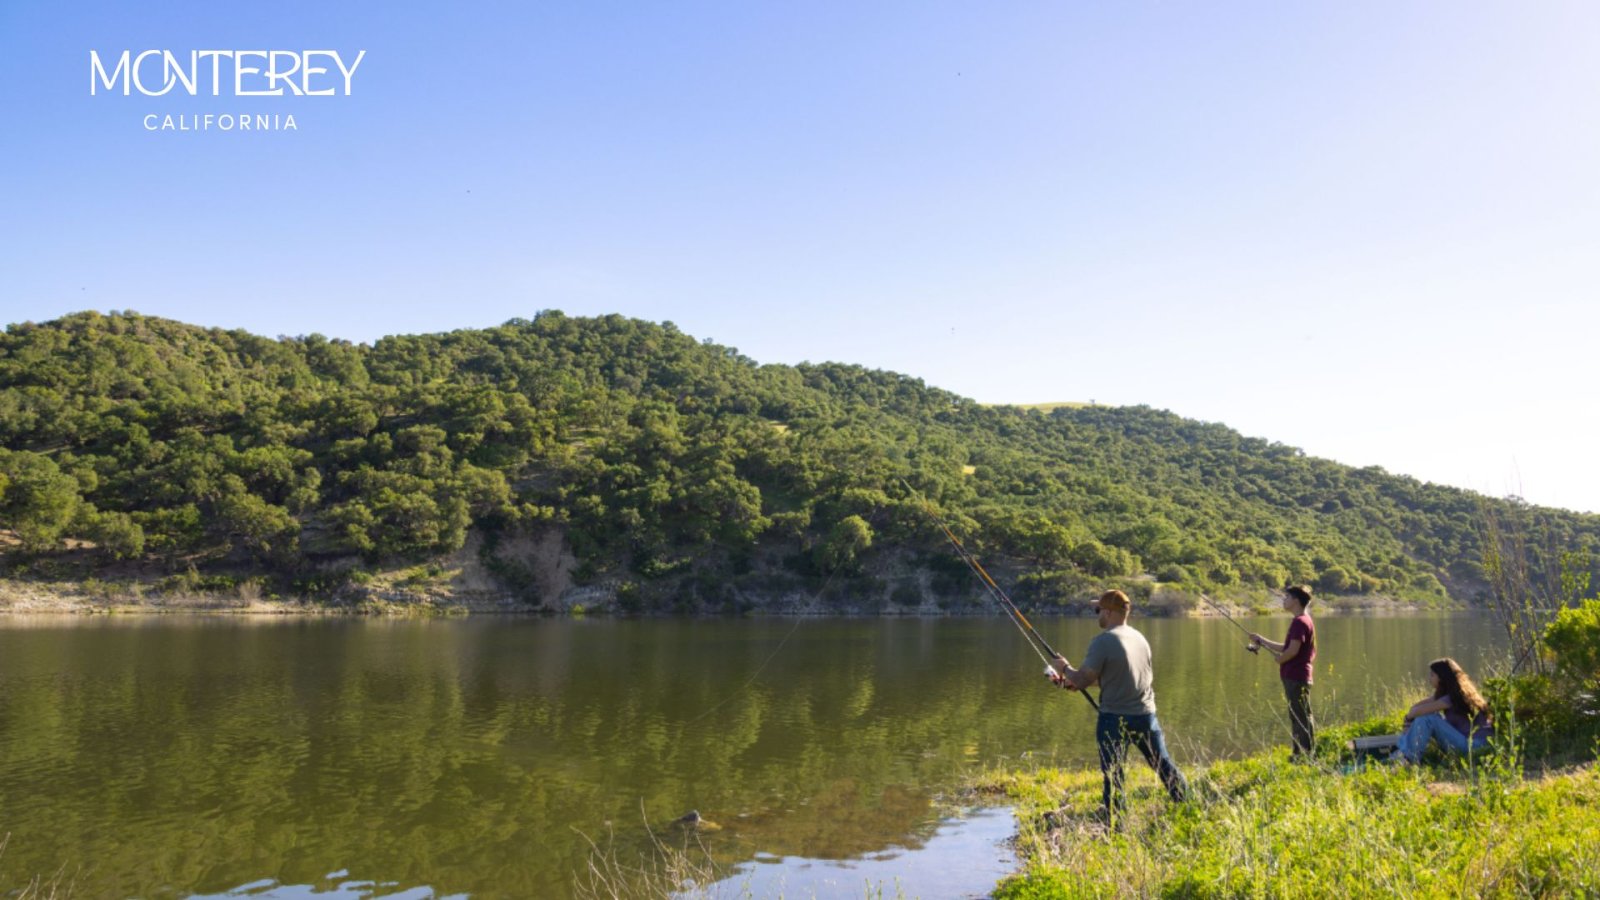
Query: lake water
<point>178,757</point>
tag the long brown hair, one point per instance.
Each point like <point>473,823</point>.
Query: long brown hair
<point>1458,686</point>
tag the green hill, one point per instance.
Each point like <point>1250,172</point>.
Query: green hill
<point>622,461</point>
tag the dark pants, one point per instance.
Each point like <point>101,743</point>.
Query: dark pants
<point>1301,725</point>
<point>1114,733</point>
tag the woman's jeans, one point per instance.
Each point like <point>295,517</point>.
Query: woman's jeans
<point>1113,733</point>
<point>1434,728</point>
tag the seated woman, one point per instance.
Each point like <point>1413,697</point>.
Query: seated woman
<point>1456,715</point>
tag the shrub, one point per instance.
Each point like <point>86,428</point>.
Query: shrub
<point>1334,580</point>
<point>846,541</point>
<point>629,599</point>
<point>1574,638</point>
<point>1174,573</point>
<point>1545,715</point>
<point>907,595</point>
<point>1052,588</point>
<point>1105,560</point>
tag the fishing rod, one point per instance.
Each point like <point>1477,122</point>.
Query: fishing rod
<point>1524,657</point>
<point>1034,638</point>
<point>1252,646</point>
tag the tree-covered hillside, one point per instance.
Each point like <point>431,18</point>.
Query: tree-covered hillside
<point>678,473</point>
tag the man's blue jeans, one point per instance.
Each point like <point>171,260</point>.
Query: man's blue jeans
<point>1113,733</point>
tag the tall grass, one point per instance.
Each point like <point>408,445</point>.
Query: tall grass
<point>1531,579</point>
<point>675,865</point>
<point>1262,827</point>
<point>37,887</point>
<point>671,866</point>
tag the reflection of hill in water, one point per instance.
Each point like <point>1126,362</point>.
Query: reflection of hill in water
<point>176,755</point>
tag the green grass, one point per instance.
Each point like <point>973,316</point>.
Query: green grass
<point>1260,827</point>
<point>1046,407</point>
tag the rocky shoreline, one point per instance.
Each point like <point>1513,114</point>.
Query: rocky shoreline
<point>77,598</point>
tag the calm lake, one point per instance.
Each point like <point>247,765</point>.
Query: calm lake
<point>183,756</point>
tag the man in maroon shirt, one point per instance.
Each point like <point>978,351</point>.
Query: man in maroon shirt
<point>1294,658</point>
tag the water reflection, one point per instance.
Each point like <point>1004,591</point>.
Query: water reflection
<point>963,857</point>
<point>333,886</point>
<point>173,756</point>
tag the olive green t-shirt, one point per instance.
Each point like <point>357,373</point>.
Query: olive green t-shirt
<point>1121,657</point>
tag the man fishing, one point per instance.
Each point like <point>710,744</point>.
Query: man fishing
<point>1118,660</point>
<point>1294,657</point>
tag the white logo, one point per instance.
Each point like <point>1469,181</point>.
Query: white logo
<point>252,73</point>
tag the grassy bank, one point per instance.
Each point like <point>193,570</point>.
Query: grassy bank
<point>1260,827</point>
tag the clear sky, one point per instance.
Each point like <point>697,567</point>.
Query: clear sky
<point>1371,230</point>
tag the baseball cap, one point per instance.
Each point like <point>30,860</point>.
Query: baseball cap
<point>1116,600</point>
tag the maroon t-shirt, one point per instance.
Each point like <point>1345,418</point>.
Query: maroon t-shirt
<point>1298,668</point>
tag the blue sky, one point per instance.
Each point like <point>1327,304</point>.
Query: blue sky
<point>1365,229</point>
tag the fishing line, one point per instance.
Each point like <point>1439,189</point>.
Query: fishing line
<point>1252,647</point>
<point>754,675</point>
<point>1031,634</point>
<point>774,654</point>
